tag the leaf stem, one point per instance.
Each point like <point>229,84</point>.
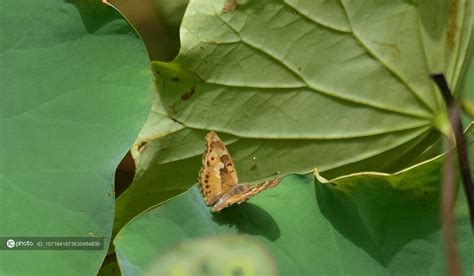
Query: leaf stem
<point>448,196</point>
<point>461,147</point>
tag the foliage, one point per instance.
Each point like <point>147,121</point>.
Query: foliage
<point>253,72</point>
<point>70,109</point>
<point>365,223</point>
<point>290,86</point>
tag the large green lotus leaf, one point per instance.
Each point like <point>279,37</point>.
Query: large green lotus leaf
<point>347,73</point>
<point>366,223</point>
<point>76,89</point>
<point>409,105</point>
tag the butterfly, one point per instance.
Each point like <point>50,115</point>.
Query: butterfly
<point>218,179</point>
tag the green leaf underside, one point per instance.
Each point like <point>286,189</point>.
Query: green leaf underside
<point>341,86</point>
<point>287,72</point>
<point>70,108</point>
<point>269,62</point>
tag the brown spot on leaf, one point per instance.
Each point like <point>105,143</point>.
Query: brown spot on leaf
<point>186,96</point>
<point>173,108</point>
<point>230,6</point>
<point>254,167</point>
<point>141,147</point>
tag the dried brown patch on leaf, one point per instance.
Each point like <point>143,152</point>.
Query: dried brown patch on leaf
<point>141,146</point>
<point>186,96</point>
<point>230,6</point>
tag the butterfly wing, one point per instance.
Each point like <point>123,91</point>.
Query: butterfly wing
<point>218,175</point>
<point>259,188</point>
<point>241,194</point>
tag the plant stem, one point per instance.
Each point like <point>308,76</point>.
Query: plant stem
<point>461,147</point>
<point>448,195</point>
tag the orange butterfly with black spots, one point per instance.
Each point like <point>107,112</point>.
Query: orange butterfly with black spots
<point>218,179</point>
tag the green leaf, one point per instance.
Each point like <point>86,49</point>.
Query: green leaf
<point>76,88</point>
<point>317,75</point>
<point>365,223</point>
<point>356,84</point>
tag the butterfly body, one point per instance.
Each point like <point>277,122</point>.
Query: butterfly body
<point>218,179</point>
<point>225,199</point>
